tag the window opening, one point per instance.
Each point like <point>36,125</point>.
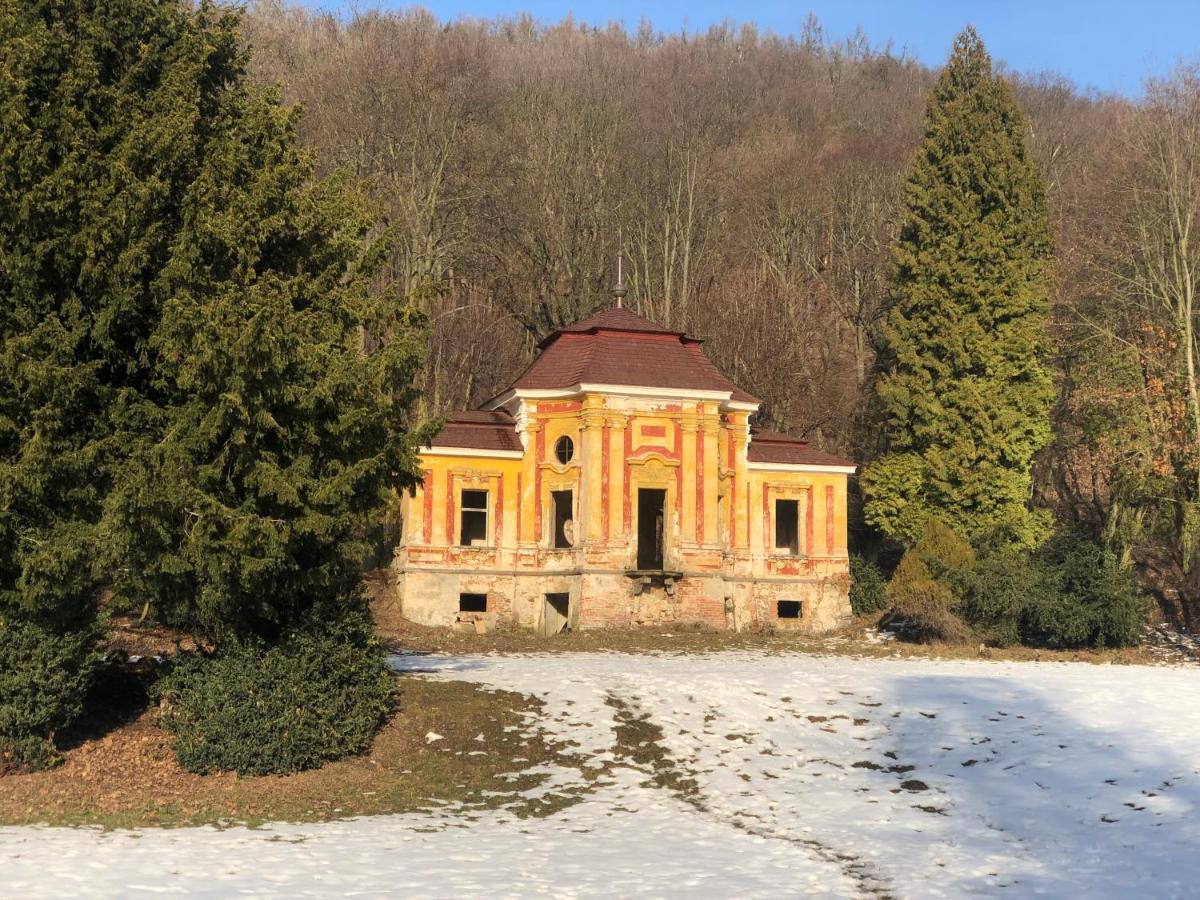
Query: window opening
<point>473,519</point>
<point>788,609</point>
<point>564,449</point>
<point>787,526</point>
<point>472,603</point>
<point>564,525</point>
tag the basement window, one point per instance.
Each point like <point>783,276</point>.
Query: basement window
<point>564,527</point>
<point>788,609</point>
<point>787,527</point>
<point>473,519</point>
<point>472,603</point>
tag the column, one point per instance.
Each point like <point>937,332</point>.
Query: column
<point>530,503</point>
<point>591,469</point>
<point>710,430</point>
<point>688,532</point>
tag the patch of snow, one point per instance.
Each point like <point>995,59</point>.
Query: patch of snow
<point>830,776</point>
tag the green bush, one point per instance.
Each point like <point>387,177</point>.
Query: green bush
<point>1070,593</point>
<point>1087,598</point>
<point>868,588</point>
<point>929,587</point>
<point>44,676</point>
<point>311,699</point>
<point>1004,584</point>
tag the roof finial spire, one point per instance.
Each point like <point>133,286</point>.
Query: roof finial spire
<point>619,290</point>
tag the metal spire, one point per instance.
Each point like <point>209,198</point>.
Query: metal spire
<point>619,291</point>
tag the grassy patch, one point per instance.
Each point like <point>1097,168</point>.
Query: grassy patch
<point>855,639</point>
<point>639,743</point>
<point>128,778</point>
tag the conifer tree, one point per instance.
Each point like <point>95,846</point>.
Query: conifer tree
<point>188,414</point>
<point>962,385</point>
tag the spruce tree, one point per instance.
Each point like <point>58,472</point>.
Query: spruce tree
<point>188,412</point>
<point>962,385</point>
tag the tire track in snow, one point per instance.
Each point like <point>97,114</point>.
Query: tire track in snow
<point>640,744</point>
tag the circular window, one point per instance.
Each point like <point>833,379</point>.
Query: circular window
<point>564,449</point>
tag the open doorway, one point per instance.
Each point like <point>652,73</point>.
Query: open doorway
<point>556,614</point>
<point>651,503</point>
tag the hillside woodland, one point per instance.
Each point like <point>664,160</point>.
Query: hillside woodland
<point>756,187</point>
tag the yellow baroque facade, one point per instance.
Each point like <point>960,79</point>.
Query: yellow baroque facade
<point>619,482</point>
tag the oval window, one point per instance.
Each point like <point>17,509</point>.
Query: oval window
<point>564,449</point>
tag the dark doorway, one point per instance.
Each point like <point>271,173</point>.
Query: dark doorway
<point>556,616</point>
<point>563,529</point>
<point>651,502</point>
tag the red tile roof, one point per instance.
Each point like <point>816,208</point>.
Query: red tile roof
<point>617,346</point>
<point>479,429</point>
<point>773,447</point>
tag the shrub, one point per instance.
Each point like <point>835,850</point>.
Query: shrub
<point>1004,584</point>
<point>931,583</point>
<point>1070,593</point>
<point>1087,600</point>
<point>44,676</point>
<point>311,699</point>
<point>868,589</point>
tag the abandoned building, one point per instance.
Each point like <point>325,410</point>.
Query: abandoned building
<point>619,481</point>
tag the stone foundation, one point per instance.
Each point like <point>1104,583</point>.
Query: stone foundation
<point>614,599</point>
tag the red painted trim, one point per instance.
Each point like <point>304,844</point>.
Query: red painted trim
<point>700,485</point>
<point>450,509</point>
<point>499,510</point>
<point>561,406</point>
<point>654,431</point>
<point>808,524</point>
<point>604,455</point>
<point>537,482</point>
<point>427,490</point>
<point>829,529</point>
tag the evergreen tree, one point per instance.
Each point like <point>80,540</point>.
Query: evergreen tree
<point>962,385</point>
<point>188,413</point>
<point>263,448</point>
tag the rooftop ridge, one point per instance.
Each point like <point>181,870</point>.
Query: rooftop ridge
<point>619,347</point>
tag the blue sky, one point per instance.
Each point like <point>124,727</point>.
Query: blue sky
<point>1109,45</point>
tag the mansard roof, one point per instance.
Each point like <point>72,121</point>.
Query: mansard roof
<point>619,347</point>
<point>773,447</point>
<point>479,429</point>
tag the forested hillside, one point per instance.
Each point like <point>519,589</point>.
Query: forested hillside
<point>756,184</point>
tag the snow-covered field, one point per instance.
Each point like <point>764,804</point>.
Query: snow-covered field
<point>741,774</point>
